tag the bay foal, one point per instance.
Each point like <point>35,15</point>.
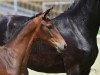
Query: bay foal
<point>14,54</point>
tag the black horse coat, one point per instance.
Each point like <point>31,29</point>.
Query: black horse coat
<point>78,25</point>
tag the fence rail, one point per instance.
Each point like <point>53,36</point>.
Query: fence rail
<point>30,9</point>
<point>8,9</point>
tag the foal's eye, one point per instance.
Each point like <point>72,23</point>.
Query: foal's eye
<point>50,27</point>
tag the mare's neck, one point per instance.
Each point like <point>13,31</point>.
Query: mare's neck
<point>84,15</point>
<point>87,11</point>
<point>79,23</point>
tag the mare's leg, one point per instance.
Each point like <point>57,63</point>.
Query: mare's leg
<point>74,70</point>
<point>85,71</point>
<point>71,69</point>
<point>77,70</point>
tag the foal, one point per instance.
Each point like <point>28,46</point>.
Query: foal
<point>14,54</point>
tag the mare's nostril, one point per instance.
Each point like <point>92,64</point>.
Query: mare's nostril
<point>65,46</point>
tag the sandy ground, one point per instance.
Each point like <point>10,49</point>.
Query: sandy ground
<point>95,70</point>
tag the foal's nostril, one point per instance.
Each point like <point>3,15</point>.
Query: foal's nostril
<point>65,46</point>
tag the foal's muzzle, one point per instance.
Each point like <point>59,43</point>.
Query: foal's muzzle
<point>61,47</point>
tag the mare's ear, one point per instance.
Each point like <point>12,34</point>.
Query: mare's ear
<point>46,13</point>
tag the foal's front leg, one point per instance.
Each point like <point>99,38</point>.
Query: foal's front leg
<point>24,71</point>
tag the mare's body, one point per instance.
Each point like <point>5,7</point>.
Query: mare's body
<point>79,26</point>
<point>15,53</point>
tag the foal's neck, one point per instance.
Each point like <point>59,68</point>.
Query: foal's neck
<point>23,41</point>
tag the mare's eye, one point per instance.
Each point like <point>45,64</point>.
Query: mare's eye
<point>50,27</point>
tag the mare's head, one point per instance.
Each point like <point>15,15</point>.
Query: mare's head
<point>45,30</point>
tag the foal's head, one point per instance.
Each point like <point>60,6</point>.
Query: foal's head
<point>46,31</point>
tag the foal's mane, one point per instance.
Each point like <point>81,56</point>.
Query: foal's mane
<point>35,16</point>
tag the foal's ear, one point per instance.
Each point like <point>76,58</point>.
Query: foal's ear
<point>46,13</point>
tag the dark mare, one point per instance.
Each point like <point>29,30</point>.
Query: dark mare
<point>79,26</point>
<point>15,53</point>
